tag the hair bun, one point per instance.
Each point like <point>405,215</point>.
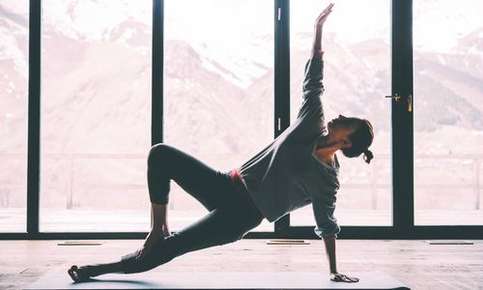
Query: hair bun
<point>368,156</point>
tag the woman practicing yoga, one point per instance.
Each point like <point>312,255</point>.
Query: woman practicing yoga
<point>299,167</point>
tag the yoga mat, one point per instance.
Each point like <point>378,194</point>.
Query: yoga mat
<point>58,279</point>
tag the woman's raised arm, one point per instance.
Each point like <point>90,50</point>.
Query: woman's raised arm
<point>318,27</point>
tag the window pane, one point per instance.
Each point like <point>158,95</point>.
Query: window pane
<point>13,113</point>
<point>356,79</point>
<point>448,112</point>
<point>96,100</point>
<point>219,87</point>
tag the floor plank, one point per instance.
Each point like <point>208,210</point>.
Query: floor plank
<point>195,280</point>
<point>415,263</point>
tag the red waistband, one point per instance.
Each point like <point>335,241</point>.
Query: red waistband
<point>235,175</point>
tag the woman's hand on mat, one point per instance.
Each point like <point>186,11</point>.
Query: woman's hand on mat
<point>319,22</point>
<point>339,277</point>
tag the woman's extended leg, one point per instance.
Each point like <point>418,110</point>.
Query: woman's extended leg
<point>218,227</point>
<point>85,272</point>
<point>232,212</point>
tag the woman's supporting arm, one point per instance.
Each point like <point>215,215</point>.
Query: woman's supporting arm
<point>329,242</point>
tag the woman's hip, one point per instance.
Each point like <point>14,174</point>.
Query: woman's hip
<point>241,202</point>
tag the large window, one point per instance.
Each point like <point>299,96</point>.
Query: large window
<point>223,97</point>
<point>448,110</point>
<point>356,78</point>
<point>96,105</point>
<point>13,114</point>
<point>219,87</point>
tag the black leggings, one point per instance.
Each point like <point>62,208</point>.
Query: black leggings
<point>232,212</point>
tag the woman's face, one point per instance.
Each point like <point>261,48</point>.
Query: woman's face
<point>341,127</point>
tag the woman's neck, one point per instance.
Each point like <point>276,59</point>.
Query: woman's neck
<point>325,151</point>
<point>325,154</point>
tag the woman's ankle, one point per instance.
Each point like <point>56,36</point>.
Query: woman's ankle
<point>159,215</point>
<point>100,269</point>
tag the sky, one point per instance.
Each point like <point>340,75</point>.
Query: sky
<point>228,20</point>
<point>220,29</point>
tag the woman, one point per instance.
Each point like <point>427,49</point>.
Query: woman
<point>298,168</point>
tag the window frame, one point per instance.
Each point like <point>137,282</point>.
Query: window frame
<point>401,122</point>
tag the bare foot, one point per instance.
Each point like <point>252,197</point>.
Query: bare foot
<point>153,238</point>
<point>78,274</point>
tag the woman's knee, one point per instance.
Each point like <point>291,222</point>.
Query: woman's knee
<point>158,152</point>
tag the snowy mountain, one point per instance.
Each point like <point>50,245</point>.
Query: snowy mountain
<point>96,85</point>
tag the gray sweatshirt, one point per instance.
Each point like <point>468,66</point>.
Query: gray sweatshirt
<point>286,174</point>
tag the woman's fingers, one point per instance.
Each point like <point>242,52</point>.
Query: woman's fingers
<point>323,15</point>
<point>328,8</point>
<point>344,278</point>
<point>349,279</point>
<point>354,279</point>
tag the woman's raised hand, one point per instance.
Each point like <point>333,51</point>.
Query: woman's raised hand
<point>319,22</point>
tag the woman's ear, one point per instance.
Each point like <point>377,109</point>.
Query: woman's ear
<point>345,144</point>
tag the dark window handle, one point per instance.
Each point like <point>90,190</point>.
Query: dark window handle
<point>397,97</point>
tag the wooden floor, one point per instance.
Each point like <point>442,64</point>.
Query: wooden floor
<point>416,263</point>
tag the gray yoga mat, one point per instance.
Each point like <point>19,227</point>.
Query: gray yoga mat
<point>58,279</point>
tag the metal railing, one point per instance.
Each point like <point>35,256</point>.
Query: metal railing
<point>8,189</point>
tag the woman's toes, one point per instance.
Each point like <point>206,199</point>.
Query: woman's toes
<point>77,274</point>
<point>73,273</point>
